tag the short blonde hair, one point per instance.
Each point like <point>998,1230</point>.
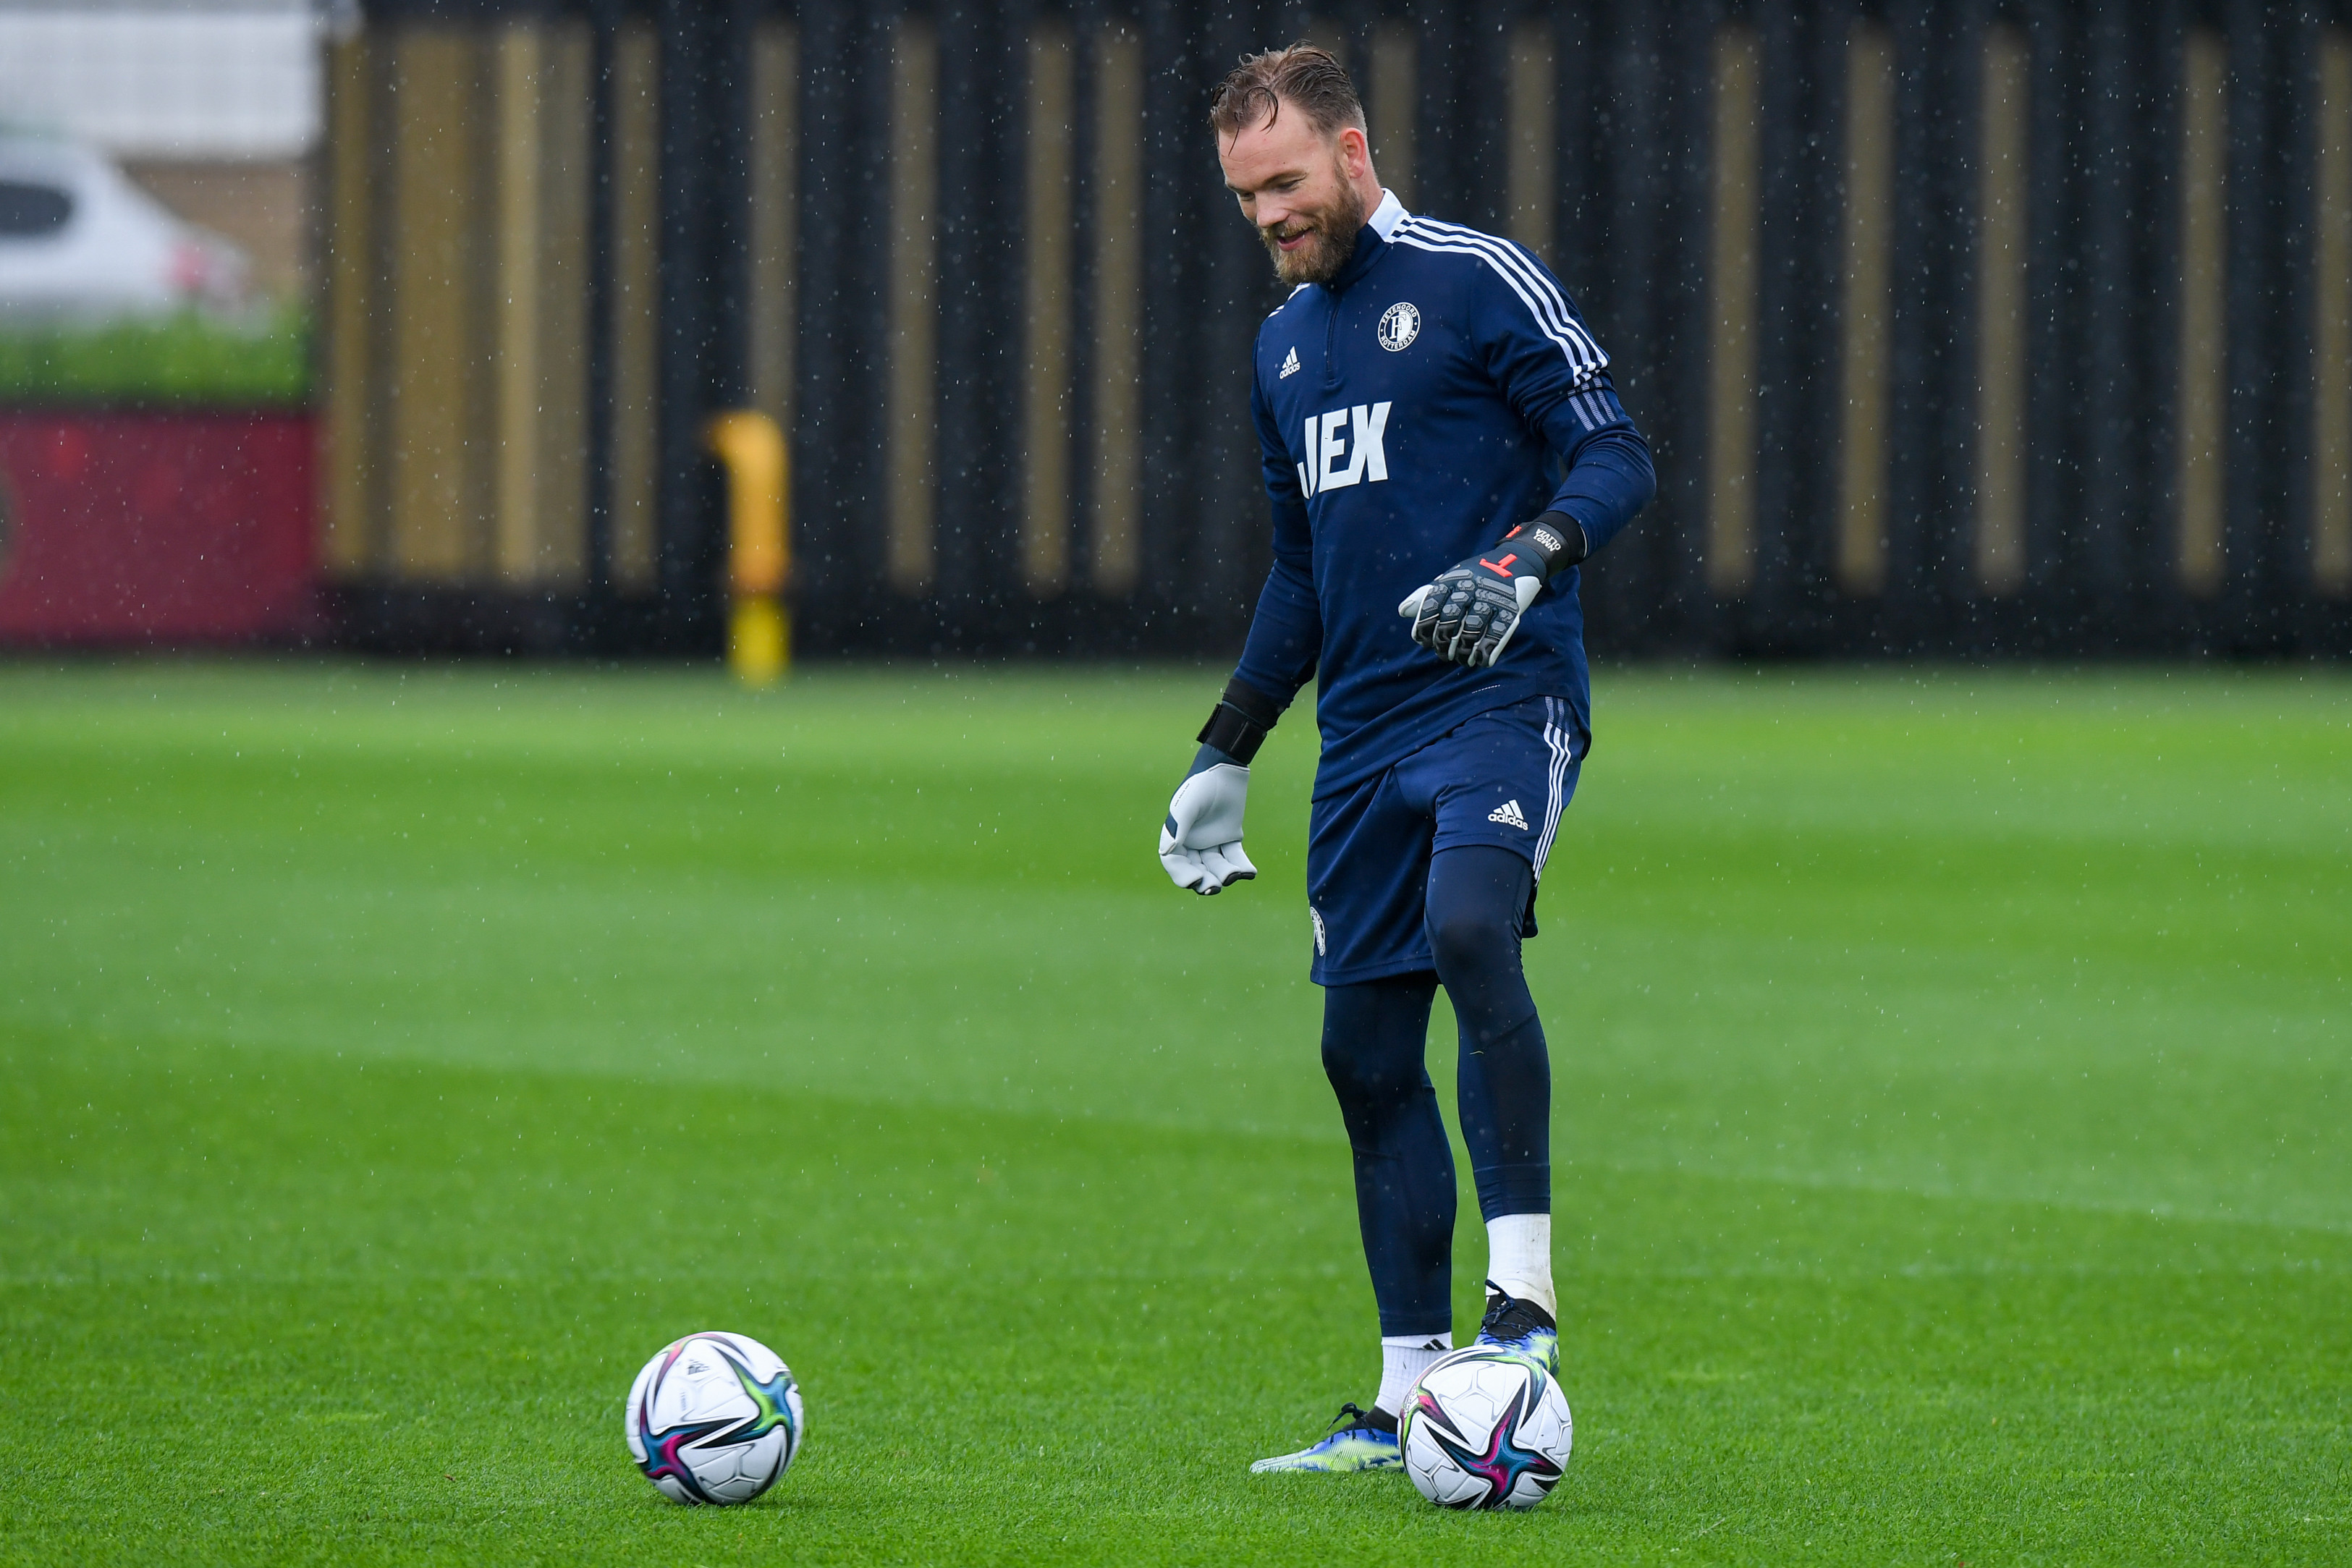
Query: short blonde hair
<point>1303,75</point>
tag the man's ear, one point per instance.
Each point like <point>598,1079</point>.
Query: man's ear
<point>1355,152</point>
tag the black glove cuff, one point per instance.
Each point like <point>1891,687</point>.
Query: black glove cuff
<point>1555,539</point>
<point>1238,723</point>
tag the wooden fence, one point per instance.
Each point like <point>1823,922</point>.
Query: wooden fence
<point>1958,328</point>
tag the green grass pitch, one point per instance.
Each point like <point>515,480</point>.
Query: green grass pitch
<point>1953,1076</point>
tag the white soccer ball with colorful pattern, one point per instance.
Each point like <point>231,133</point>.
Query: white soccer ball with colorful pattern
<point>1485,1427</point>
<point>714,1418</point>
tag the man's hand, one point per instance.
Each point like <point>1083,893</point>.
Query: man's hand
<point>1469,613</point>
<point>1200,842</point>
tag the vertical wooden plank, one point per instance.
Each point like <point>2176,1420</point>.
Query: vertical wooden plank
<point>1329,33</point>
<point>2204,348</point>
<point>702,330</point>
<point>1045,467</point>
<point>775,211</point>
<point>1930,371</point>
<point>1865,303</point>
<point>2058,391</point>
<point>2267,236</point>
<point>1732,347</point>
<point>2105,546</point>
<point>350,543</point>
<point>1175,297</point>
<point>515,235</point>
<point>840,487</point>
<point>1534,142</point>
<point>1999,552</point>
<point>913,303</point>
<point>1673,411</point>
<point>2331,446</point>
<point>1225,545</point>
<point>560,467</point>
<point>1634,114</point>
<point>1395,106</point>
<point>1118,310</point>
<point>636,308</point>
<point>433,179</point>
<point>977,587</point>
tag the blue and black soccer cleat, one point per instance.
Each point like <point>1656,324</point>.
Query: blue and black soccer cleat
<point>1521,1327</point>
<point>1362,1440</point>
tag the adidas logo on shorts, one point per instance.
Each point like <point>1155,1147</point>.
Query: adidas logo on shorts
<point>1507,813</point>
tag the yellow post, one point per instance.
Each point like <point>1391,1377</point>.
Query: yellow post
<point>759,555</point>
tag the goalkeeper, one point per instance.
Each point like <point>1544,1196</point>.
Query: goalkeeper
<point>1412,397</point>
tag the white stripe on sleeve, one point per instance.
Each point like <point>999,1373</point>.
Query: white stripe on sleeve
<point>1533,286</point>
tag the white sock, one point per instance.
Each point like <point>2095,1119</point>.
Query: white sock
<point>1518,1257</point>
<point>1403,1358</point>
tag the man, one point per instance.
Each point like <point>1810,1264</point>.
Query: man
<point>1411,397</point>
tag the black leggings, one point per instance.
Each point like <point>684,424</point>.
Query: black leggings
<point>1375,1037</point>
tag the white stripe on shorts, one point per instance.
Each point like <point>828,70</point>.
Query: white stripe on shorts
<point>1562,745</point>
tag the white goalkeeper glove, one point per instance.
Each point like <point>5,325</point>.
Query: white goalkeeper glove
<point>1200,841</point>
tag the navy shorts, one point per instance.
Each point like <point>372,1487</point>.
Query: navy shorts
<point>1503,778</point>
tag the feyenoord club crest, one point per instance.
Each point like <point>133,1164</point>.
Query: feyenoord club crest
<point>1399,325</point>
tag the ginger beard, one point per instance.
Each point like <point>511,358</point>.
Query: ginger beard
<point>1331,235</point>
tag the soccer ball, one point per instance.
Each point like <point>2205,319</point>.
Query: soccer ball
<point>714,1418</point>
<point>1485,1427</point>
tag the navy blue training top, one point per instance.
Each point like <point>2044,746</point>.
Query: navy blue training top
<point>1410,410</point>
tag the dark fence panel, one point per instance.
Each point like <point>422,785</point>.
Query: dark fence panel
<point>2042,344</point>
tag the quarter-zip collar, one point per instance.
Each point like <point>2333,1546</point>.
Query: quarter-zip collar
<point>1370,240</point>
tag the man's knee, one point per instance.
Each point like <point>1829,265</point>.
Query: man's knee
<point>1477,895</point>
<point>1374,1037</point>
<point>1471,942</point>
<point>1370,1077</point>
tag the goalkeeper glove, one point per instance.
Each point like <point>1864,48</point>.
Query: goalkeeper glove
<point>1200,841</point>
<point>1468,615</point>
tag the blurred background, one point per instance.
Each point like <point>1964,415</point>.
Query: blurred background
<point>1961,328</point>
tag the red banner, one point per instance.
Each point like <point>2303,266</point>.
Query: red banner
<point>125,528</point>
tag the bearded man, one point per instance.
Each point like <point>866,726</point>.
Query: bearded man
<point>1414,397</point>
